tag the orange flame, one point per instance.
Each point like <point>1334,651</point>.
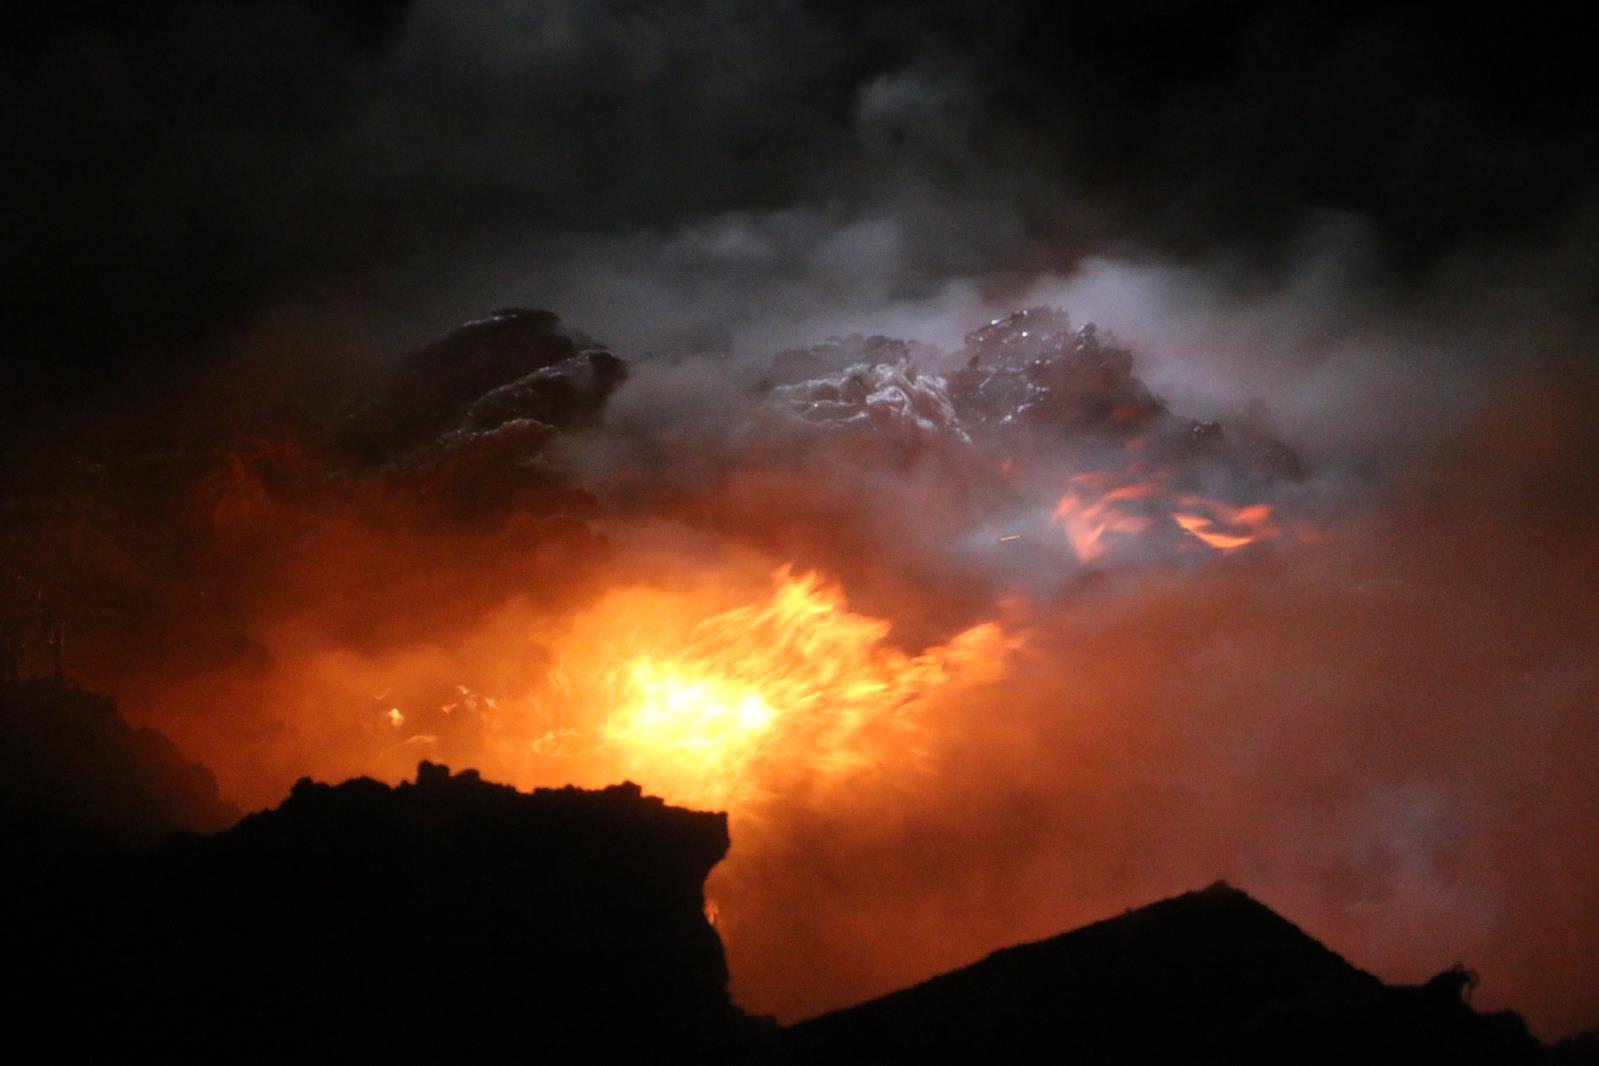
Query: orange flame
<point>1087,515</point>
<point>724,709</point>
<point>1225,528</point>
<point>1092,509</point>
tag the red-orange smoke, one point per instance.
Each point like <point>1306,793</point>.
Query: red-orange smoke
<point>1386,733</point>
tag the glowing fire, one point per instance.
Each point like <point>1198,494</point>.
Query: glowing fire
<point>1090,510</point>
<point>1096,508</point>
<point>1223,527</point>
<point>719,710</point>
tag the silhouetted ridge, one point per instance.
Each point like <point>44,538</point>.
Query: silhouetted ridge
<point>406,922</point>
<point>513,369</point>
<point>1208,976</point>
<point>77,783</point>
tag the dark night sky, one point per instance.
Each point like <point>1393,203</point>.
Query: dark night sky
<point>182,171</point>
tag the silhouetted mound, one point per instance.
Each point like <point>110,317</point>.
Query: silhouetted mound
<point>1033,372</point>
<point>1209,976</point>
<point>1031,378</point>
<point>78,783</point>
<point>512,370</point>
<point>422,921</point>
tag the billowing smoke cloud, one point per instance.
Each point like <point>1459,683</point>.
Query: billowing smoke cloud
<point>1389,732</point>
<point>298,191</point>
<point>1384,729</point>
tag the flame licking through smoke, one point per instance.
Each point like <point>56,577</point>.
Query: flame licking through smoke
<point>720,710</point>
<point>1096,509</point>
<point>1223,527</point>
<point>1091,509</point>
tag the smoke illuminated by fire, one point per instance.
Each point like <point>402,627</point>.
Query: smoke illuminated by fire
<point>816,623</point>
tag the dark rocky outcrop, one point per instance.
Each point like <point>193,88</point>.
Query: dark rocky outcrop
<point>452,918</point>
<point>1034,372</point>
<point>516,367</point>
<point>77,783</point>
<point>1206,977</point>
<point>1029,379</point>
<point>424,921</point>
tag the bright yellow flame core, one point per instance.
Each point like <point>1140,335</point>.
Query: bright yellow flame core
<point>769,695</point>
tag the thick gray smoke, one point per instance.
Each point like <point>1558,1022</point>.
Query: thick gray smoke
<point>291,192</point>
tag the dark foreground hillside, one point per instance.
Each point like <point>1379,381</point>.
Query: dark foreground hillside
<point>78,783</point>
<point>434,920</point>
<point>1210,976</point>
<point>451,919</point>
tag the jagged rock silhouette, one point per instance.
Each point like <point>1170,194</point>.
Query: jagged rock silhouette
<point>77,782</point>
<point>451,918</point>
<point>427,920</point>
<point>1206,977</point>
<point>513,366</point>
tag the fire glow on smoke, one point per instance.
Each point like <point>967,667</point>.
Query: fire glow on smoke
<point>727,708</point>
<point>1044,446</point>
<point>971,651</point>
